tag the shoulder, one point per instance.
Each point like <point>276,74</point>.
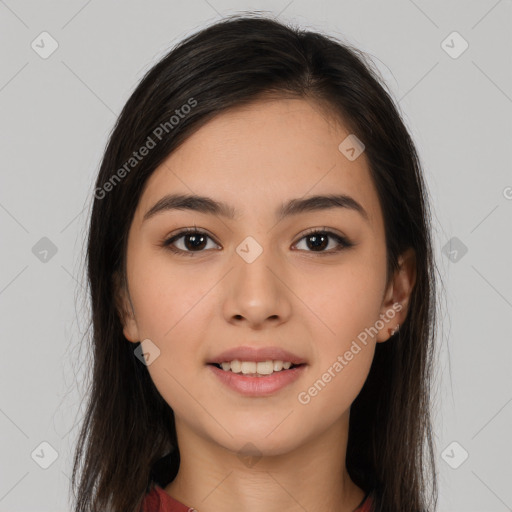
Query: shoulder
<point>157,500</point>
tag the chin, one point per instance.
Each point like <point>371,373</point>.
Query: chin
<point>259,443</point>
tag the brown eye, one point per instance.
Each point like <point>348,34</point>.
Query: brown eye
<point>319,240</point>
<point>192,241</point>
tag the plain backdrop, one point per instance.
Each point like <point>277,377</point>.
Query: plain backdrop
<point>448,65</point>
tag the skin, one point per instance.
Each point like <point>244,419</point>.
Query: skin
<point>193,307</point>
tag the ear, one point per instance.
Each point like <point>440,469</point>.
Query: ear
<point>397,296</point>
<point>124,308</point>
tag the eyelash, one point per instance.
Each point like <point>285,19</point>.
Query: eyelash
<point>344,242</point>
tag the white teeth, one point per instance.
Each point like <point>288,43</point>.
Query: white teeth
<point>236,366</point>
<point>253,368</point>
<point>265,368</point>
<point>278,365</point>
<point>248,367</point>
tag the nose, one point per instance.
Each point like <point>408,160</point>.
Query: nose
<point>257,292</point>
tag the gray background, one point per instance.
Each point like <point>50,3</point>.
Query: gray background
<point>55,117</point>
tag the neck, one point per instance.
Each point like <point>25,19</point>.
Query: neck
<point>312,477</point>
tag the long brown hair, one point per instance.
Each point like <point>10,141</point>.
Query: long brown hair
<point>127,441</point>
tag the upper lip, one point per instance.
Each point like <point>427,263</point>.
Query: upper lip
<point>257,354</point>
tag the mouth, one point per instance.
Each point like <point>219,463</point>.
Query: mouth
<point>257,378</point>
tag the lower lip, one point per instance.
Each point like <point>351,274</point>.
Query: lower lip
<point>258,386</point>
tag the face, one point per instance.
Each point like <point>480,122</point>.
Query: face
<point>311,282</point>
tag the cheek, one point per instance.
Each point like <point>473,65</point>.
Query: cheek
<point>166,297</point>
<point>343,302</point>
<point>170,309</point>
<point>343,347</point>
<point>173,307</point>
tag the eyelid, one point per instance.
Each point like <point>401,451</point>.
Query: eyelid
<point>322,229</point>
<point>190,230</point>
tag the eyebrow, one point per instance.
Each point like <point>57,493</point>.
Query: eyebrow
<point>207,205</point>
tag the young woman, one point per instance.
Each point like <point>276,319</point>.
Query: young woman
<point>262,287</point>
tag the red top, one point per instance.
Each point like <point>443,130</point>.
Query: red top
<point>157,500</point>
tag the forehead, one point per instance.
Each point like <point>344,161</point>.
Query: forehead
<point>257,156</point>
